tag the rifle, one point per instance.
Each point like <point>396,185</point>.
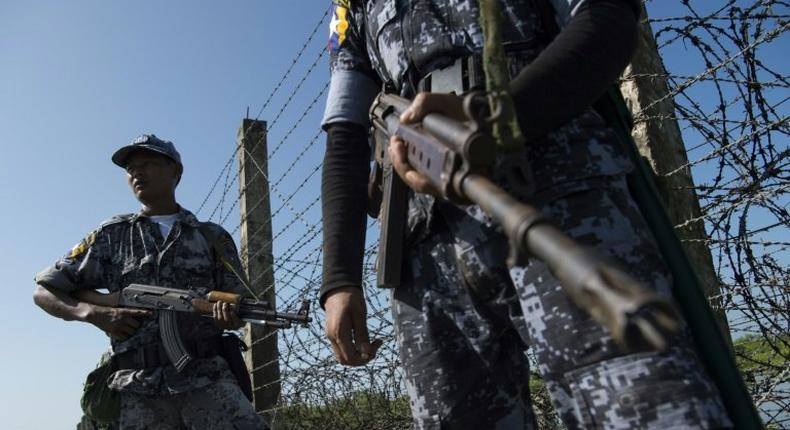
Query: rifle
<point>455,157</point>
<point>168,301</point>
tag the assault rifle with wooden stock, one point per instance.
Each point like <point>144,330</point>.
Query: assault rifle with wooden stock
<point>168,301</point>
<point>456,157</point>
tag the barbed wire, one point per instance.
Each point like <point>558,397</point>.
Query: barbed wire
<point>742,127</point>
<point>265,104</point>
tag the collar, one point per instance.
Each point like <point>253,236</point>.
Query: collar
<point>184,217</point>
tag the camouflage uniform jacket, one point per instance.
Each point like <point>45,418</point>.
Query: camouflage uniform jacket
<point>395,43</point>
<point>129,249</point>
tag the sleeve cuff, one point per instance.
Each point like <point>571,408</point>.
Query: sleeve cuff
<point>327,288</point>
<point>51,277</point>
<point>350,95</point>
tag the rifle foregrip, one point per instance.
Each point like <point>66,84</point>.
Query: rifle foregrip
<point>203,307</point>
<point>222,296</point>
<point>206,307</point>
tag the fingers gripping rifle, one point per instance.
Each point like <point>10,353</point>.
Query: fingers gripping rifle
<point>455,157</point>
<point>168,301</point>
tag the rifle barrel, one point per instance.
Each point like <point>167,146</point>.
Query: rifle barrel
<point>634,315</point>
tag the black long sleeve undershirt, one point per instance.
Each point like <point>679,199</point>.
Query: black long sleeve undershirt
<point>344,205</point>
<point>569,75</point>
<point>576,68</point>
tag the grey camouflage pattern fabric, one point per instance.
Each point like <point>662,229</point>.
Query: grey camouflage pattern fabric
<point>388,43</point>
<point>463,318</point>
<point>218,406</point>
<point>130,249</point>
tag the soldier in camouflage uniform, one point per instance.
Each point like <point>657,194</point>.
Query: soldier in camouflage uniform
<point>161,245</point>
<point>463,319</point>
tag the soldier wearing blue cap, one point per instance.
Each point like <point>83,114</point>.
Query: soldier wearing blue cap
<point>147,143</point>
<point>163,245</point>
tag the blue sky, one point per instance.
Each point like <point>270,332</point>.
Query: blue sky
<point>80,79</point>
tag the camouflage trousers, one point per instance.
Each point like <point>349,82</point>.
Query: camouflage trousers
<point>219,405</point>
<point>464,320</point>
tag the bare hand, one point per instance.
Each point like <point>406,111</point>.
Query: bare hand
<point>226,317</point>
<point>118,323</point>
<point>447,104</point>
<point>346,327</point>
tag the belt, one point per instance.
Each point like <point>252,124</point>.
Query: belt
<point>462,75</point>
<point>154,355</point>
<point>466,73</point>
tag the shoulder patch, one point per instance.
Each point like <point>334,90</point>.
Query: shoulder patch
<point>338,26</point>
<point>83,246</point>
<point>90,239</point>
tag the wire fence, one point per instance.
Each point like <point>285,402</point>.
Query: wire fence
<point>730,96</point>
<point>726,67</point>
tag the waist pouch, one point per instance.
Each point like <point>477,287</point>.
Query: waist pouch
<point>103,405</point>
<point>98,401</point>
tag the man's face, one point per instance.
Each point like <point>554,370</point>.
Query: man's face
<point>151,176</point>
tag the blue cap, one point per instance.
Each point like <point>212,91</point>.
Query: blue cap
<point>147,142</point>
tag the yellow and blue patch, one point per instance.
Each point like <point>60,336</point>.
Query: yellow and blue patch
<point>338,27</point>
<point>83,246</point>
